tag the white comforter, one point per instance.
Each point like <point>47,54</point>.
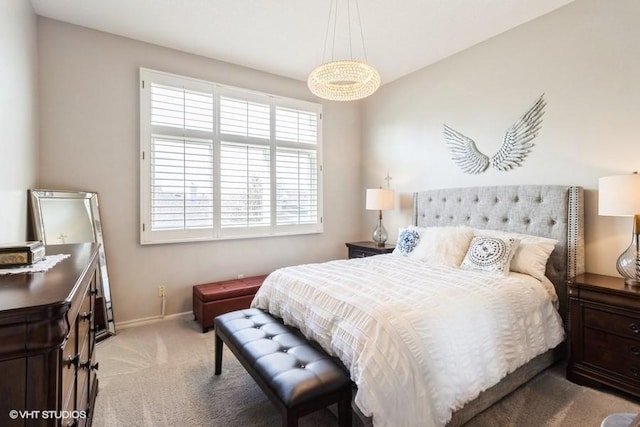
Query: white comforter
<point>419,340</point>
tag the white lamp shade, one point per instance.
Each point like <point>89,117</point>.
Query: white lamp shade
<point>619,195</point>
<point>379,199</point>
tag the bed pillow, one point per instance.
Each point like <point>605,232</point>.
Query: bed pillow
<point>408,240</point>
<point>532,253</point>
<point>443,245</point>
<point>490,254</point>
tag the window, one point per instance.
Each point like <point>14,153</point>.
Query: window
<point>219,162</point>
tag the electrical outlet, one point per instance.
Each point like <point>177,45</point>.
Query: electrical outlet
<point>160,291</point>
<point>240,276</point>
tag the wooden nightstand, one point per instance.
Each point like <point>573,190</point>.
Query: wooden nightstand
<point>364,249</point>
<point>604,329</point>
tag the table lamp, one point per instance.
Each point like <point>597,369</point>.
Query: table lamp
<point>379,199</point>
<point>620,196</point>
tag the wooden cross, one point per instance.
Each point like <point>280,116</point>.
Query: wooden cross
<point>62,237</point>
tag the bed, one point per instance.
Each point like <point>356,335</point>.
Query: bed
<point>378,315</point>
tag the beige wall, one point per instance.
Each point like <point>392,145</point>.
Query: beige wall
<point>90,141</point>
<point>584,57</point>
<point>18,120</point>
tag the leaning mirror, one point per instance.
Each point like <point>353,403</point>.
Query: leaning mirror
<point>63,217</point>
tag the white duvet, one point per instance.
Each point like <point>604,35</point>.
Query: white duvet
<point>419,340</point>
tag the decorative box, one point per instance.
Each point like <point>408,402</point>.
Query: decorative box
<point>20,254</point>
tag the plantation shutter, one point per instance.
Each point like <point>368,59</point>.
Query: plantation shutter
<point>296,166</point>
<point>220,162</point>
<point>181,163</point>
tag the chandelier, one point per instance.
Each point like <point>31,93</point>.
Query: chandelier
<point>346,79</point>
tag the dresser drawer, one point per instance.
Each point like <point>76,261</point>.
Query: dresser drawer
<point>70,359</point>
<point>615,323</point>
<point>82,401</point>
<point>359,253</point>
<point>84,321</point>
<point>611,352</point>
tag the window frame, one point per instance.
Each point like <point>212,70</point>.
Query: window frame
<point>148,77</point>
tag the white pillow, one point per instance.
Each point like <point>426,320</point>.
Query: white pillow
<point>443,245</point>
<point>532,253</point>
<point>408,240</point>
<point>490,254</point>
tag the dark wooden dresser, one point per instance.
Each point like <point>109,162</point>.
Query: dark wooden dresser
<point>604,327</point>
<point>47,339</point>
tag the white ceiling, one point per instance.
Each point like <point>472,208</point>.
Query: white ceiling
<point>286,37</point>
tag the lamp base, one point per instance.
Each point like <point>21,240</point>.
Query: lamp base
<point>628,264</point>
<point>632,282</point>
<point>379,234</point>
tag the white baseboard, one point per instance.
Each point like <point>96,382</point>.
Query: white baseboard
<point>147,320</point>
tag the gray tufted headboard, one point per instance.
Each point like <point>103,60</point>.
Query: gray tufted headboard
<point>544,210</point>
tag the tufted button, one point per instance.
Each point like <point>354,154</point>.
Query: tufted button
<point>485,219</point>
<point>451,217</point>
<point>302,365</point>
<point>257,326</point>
<point>505,219</point>
<point>539,199</point>
<point>476,199</point>
<point>429,199</point>
<point>527,221</point>
<point>444,199</point>
<point>552,221</point>
<point>284,350</point>
<point>459,199</point>
<point>468,218</point>
<point>437,216</point>
<point>516,199</point>
<point>268,337</point>
<point>495,200</point>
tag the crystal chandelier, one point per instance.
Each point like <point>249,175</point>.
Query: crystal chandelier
<point>347,79</point>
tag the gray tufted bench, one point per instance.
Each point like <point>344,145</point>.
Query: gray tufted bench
<point>298,377</point>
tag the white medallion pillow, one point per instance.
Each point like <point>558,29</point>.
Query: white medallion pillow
<point>443,245</point>
<point>408,240</point>
<point>490,254</point>
<point>532,253</point>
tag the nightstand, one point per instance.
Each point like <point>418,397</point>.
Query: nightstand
<point>364,249</point>
<point>604,333</point>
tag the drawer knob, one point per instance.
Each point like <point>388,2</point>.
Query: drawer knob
<point>86,315</point>
<point>73,360</point>
<point>634,350</point>
<point>634,328</point>
<point>635,372</point>
<point>88,366</point>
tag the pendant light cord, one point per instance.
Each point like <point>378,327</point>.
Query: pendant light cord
<point>333,12</point>
<point>364,49</point>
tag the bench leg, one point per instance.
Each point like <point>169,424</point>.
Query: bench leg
<point>344,409</point>
<point>218,354</point>
<point>290,418</point>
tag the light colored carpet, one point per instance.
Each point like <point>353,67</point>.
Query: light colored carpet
<point>161,374</point>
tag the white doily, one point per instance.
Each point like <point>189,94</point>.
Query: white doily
<point>43,265</point>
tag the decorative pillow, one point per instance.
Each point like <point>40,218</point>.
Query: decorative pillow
<point>490,254</point>
<point>408,239</point>
<point>532,253</point>
<point>443,245</point>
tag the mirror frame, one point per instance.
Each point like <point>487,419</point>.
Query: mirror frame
<point>102,276</point>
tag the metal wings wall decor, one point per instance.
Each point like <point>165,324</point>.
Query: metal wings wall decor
<point>515,147</point>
